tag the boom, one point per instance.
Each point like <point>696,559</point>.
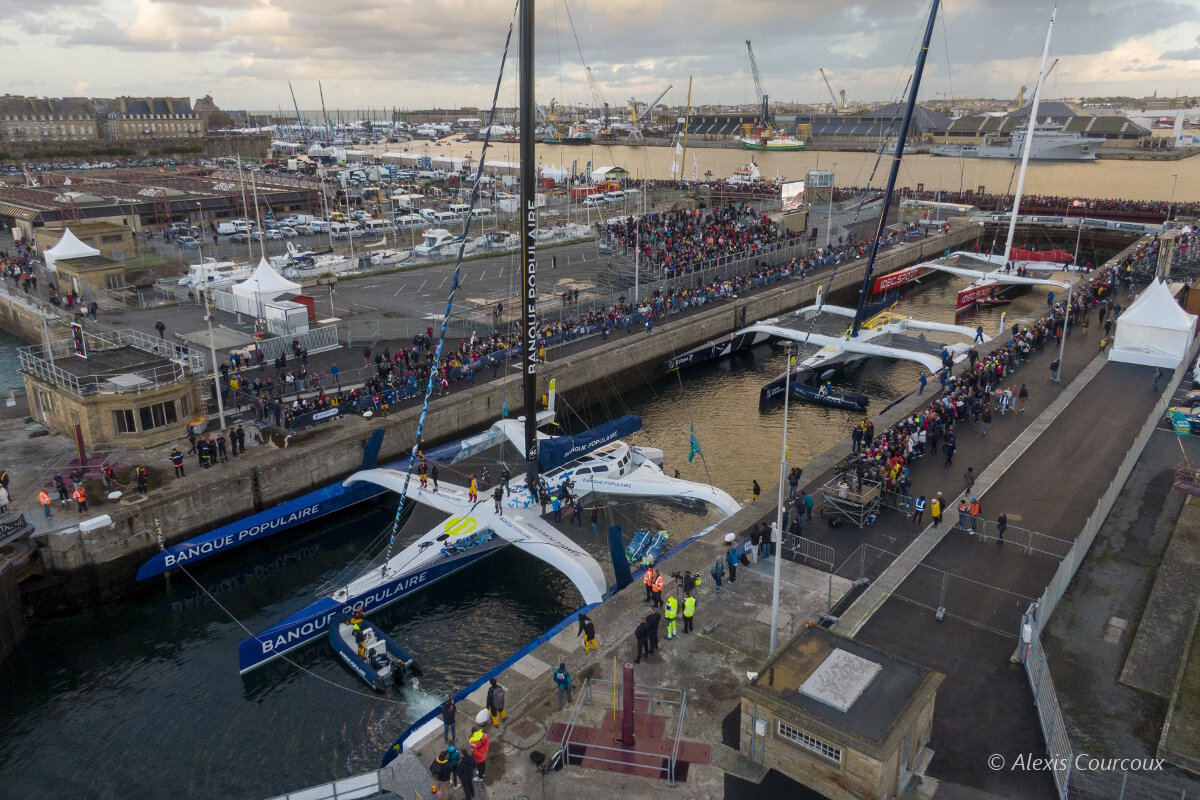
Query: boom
<point>764,116</point>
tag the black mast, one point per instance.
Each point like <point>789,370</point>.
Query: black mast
<point>528,243</point>
<point>891,184</point>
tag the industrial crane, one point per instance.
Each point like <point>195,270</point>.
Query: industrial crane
<point>764,117</point>
<point>838,108</point>
<point>636,117</point>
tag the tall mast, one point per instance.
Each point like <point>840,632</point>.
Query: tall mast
<point>528,243</point>
<point>1033,109</point>
<point>891,184</point>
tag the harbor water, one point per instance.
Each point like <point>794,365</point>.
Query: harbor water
<point>142,699</point>
<point>10,376</point>
<point>1104,178</point>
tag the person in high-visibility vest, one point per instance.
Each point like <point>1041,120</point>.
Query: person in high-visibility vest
<point>44,499</point>
<point>670,612</point>
<point>648,582</point>
<point>689,609</point>
<point>656,588</point>
<point>80,499</point>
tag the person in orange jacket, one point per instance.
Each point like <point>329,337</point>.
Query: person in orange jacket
<point>80,498</point>
<point>44,499</point>
<point>479,751</point>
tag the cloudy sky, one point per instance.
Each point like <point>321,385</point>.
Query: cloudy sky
<point>420,53</point>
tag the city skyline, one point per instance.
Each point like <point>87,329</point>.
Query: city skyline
<point>445,53</point>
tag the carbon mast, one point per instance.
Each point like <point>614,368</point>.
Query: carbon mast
<point>528,200</point>
<point>891,184</point>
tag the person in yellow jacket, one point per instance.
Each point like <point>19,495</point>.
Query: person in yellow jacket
<point>935,509</point>
<point>473,490</point>
<point>671,612</point>
<point>44,499</point>
<point>689,610</point>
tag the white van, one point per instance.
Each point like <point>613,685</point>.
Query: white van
<point>614,197</point>
<point>226,229</point>
<point>443,218</point>
<point>408,221</point>
<point>483,215</point>
<point>594,201</point>
<point>375,225</point>
<point>458,209</point>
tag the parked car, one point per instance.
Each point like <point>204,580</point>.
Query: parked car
<point>288,232</point>
<point>240,238</point>
<point>273,234</point>
<point>188,242</point>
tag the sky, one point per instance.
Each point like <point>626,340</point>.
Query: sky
<point>446,53</point>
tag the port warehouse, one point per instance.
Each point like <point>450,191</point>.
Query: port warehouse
<point>928,126</point>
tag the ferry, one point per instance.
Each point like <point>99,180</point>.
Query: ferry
<point>1050,143</point>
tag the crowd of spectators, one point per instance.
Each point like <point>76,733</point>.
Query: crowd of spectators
<point>1079,206</point>
<point>984,388</point>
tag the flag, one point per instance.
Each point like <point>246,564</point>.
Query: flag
<point>679,148</point>
<point>693,445</point>
<point>587,178</point>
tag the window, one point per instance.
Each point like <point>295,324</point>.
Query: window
<point>46,401</point>
<point>157,415</point>
<point>810,743</point>
<point>123,420</point>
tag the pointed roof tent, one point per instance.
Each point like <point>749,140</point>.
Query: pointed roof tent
<point>68,247</point>
<point>265,284</point>
<point>1153,331</point>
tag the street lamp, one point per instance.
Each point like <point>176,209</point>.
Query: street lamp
<point>1171,202</point>
<point>829,218</point>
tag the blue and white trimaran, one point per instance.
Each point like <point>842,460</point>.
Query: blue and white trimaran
<point>595,461</point>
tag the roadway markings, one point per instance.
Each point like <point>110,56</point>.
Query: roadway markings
<point>482,274</point>
<point>422,286</point>
<point>443,283</point>
<point>398,291</point>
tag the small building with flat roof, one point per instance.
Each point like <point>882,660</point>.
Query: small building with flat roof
<point>130,388</point>
<point>841,717</point>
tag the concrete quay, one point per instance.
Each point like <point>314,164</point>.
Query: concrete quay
<point>85,567</point>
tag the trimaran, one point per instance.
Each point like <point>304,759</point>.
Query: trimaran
<point>869,334</point>
<point>596,461</point>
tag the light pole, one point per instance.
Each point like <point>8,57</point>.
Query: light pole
<point>212,350</point>
<point>829,218</point>
<point>1171,202</point>
<point>787,391</point>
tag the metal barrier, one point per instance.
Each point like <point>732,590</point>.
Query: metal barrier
<point>809,550</point>
<point>316,340</point>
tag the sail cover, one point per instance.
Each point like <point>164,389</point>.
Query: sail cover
<point>1061,256</point>
<point>561,449</point>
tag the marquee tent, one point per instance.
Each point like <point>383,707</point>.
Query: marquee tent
<point>264,285</point>
<point>1153,331</point>
<point>67,248</point>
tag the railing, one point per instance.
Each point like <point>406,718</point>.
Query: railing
<point>651,694</point>
<point>37,362</point>
<point>359,786</point>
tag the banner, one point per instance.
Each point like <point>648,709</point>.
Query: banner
<point>312,418</point>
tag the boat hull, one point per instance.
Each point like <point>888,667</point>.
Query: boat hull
<point>315,619</point>
<point>748,144</point>
<point>718,348</point>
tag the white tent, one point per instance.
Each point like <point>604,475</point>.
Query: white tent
<point>264,285</point>
<point>1153,331</point>
<point>67,248</point>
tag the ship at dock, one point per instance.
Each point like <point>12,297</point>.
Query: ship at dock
<point>1050,143</point>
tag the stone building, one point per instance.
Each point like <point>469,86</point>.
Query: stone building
<point>838,716</point>
<point>32,119</point>
<point>147,118</point>
<point>130,388</point>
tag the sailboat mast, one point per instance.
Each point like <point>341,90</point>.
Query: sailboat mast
<point>528,199</point>
<point>1033,109</point>
<point>891,184</point>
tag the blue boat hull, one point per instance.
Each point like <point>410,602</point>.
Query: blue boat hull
<point>315,620</point>
<point>718,348</point>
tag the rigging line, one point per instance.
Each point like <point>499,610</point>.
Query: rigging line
<point>946,44</point>
<point>454,284</point>
<point>306,670</point>
<point>688,408</point>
